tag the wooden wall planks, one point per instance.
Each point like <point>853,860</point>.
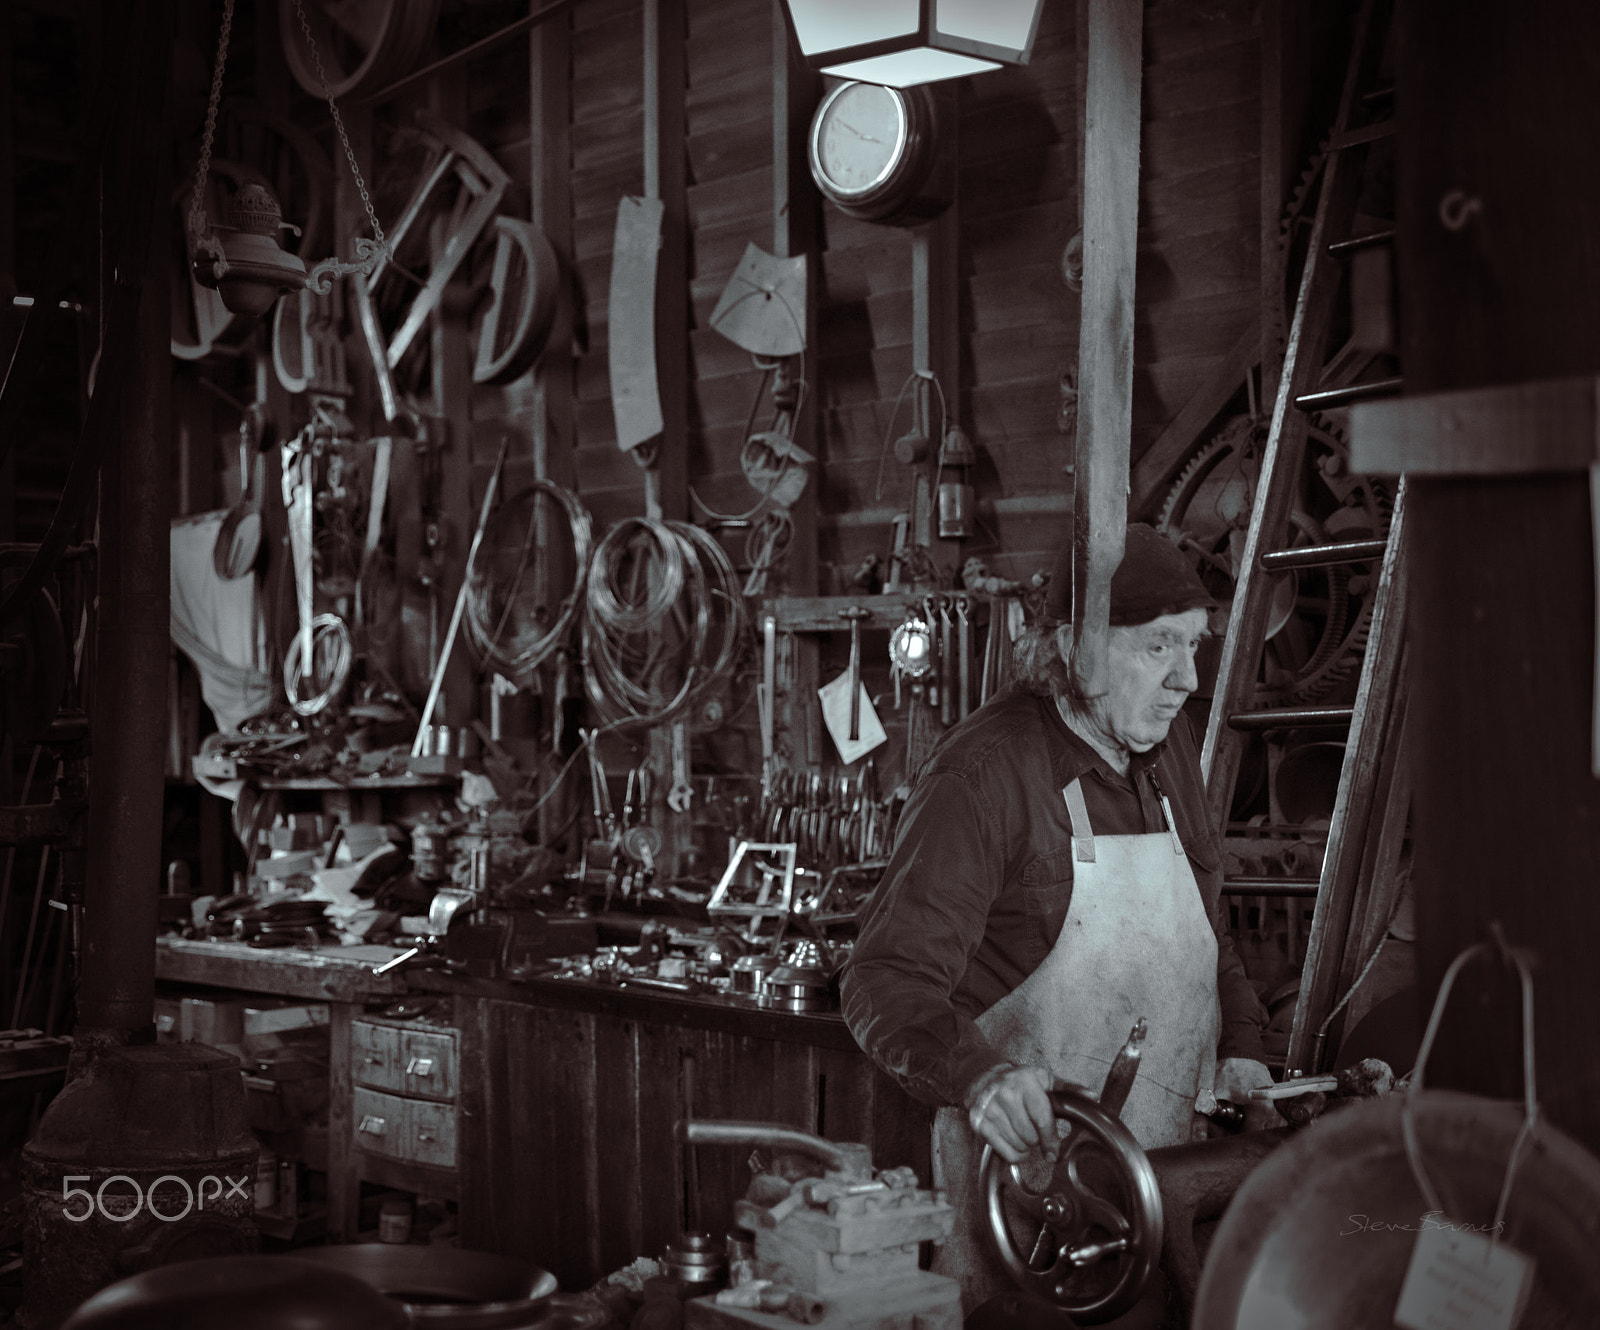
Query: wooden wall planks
<point>1196,284</point>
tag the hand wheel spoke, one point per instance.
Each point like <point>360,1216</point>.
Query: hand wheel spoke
<point>1041,1248</point>
<point>1018,1193</point>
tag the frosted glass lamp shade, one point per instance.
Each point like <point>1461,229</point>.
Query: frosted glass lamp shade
<point>901,43</point>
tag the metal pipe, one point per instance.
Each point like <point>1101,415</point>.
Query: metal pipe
<point>1321,556</point>
<point>1293,718</point>
<point>129,725</point>
<point>772,1134</point>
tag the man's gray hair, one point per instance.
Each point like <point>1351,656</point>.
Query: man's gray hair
<point>1040,656</point>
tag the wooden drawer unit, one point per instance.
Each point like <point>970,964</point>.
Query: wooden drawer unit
<point>413,1131</point>
<point>428,1064</point>
<point>375,1056</point>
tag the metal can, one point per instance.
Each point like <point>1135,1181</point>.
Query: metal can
<point>394,1221</point>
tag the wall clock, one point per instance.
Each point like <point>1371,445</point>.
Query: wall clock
<point>882,154</point>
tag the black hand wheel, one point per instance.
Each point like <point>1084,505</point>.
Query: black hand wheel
<point>1087,1234</point>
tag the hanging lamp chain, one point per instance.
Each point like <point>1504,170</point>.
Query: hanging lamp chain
<point>201,237</point>
<point>320,279</point>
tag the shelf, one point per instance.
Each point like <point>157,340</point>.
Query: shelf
<point>435,782</point>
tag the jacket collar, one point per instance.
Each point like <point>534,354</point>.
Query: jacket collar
<point>1072,756</point>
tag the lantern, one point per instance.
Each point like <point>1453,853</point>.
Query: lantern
<point>245,264</point>
<point>905,42</point>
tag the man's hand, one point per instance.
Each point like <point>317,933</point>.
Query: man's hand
<point>1235,1078</point>
<point>1010,1108</point>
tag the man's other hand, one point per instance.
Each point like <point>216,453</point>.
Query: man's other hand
<point>1235,1078</point>
<point>1010,1108</point>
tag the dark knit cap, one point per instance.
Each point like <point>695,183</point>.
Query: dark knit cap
<point>1154,578</point>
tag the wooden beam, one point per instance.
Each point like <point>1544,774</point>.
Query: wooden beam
<point>1503,565</point>
<point>1270,327</point>
<point>794,233</point>
<point>795,226</point>
<point>450,344</point>
<point>1105,348</point>
<point>666,479</point>
<point>665,178</point>
<point>1548,425</point>
<point>554,433</point>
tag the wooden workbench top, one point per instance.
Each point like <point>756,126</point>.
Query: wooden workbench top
<point>711,1011</point>
<point>332,974</point>
<point>344,974</point>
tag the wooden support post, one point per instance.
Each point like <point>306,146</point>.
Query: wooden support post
<point>794,232</point>
<point>550,186</point>
<point>666,480</point>
<point>1498,284</point>
<point>935,350</point>
<point>1272,327</point>
<point>1105,346</point>
<point>451,347</point>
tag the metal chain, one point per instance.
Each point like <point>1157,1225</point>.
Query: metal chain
<point>338,120</point>
<point>196,204</point>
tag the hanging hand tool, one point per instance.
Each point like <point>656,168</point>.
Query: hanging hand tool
<point>682,791</point>
<point>946,663</point>
<point>930,611</point>
<point>963,655</point>
<point>855,614</point>
<point>768,700</point>
<point>461,603</point>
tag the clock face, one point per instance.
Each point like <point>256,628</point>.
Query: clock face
<point>858,138</point>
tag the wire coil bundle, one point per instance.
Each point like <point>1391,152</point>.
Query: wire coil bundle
<point>331,656</point>
<point>496,601</point>
<point>664,619</point>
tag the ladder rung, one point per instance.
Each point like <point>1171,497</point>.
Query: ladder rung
<point>1372,240</point>
<point>1293,718</point>
<point>1382,129</point>
<point>1320,556</point>
<point>1378,95</point>
<point>1329,398</point>
<point>1270,886</point>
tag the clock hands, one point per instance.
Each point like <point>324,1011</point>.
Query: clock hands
<point>845,124</point>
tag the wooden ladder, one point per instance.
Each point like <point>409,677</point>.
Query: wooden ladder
<point>1363,841</point>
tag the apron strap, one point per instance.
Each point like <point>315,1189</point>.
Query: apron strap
<point>1172,826</point>
<point>1078,816</point>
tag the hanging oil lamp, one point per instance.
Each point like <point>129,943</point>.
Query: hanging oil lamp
<point>241,258</point>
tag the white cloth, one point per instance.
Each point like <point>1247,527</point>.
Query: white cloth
<point>214,624</point>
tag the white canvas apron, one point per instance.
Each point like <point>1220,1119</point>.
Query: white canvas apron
<point>1136,942</point>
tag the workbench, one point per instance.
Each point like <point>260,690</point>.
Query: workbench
<point>569,1092</point>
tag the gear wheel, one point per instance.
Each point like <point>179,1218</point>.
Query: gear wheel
<point>1320,625</point>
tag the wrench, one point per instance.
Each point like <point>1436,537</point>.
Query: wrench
<point>679,796</point>
<point>855,614</point>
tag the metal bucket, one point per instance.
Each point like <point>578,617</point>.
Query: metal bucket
<point>445,1286</point>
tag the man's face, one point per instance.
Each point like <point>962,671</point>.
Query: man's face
<point>1152,674</point>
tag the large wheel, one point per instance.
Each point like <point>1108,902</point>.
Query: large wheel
<point>1087,1234</point>
<point>364,44</point>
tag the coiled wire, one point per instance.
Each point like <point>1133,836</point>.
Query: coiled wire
<point>663,619</point>
<point>323,627</point>
<point>528,648</point>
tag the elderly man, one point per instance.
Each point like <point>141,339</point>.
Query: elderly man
<point>1056,877</point>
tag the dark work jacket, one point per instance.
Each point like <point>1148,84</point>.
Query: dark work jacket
<point>978,885</point>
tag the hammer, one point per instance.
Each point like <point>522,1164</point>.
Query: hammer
<point>855,614</point>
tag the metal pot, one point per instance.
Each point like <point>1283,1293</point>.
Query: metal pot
<point>749,973</point>
<point>796,988</point>
<point>445,1286</point>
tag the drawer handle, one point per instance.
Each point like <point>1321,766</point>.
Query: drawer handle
<point>424,1136</point>
<point>420,1067</point>
<point>373,1061</point>
<point>372,1125</point>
